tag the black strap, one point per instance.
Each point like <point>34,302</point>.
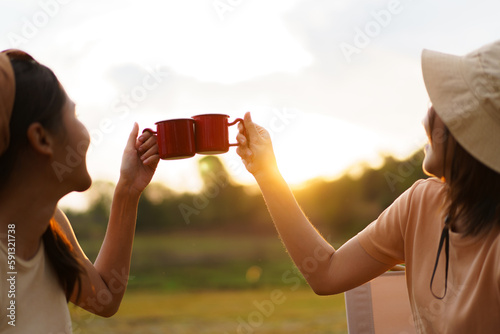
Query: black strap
<point>445,236</point>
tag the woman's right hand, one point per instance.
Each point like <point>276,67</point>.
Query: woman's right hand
<point>256,149</point>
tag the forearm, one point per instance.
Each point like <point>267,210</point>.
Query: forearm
<point>328,271</point>
<point>113,260</point>
<point>309,250</point>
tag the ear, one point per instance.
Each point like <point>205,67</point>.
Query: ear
<point>40,139</point>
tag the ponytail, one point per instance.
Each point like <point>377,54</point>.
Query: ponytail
<point>67,266</point>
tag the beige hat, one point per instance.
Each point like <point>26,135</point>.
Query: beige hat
<point>465,92</point>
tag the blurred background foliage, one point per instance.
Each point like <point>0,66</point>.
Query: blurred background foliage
<point>340,207</point>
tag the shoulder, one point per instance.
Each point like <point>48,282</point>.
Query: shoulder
<point>426,185</point>
<point>65,226</point>
<point>422,201</point>
<point>59,216</point>
<point>428,190</point>
<point>62,221</point>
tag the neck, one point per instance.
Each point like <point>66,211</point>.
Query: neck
<point>28,207</point>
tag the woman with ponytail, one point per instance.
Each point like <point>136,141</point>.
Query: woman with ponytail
<point>42,266</point>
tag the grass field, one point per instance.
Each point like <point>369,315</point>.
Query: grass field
<point>262,311</point>
<point>183,262</point>
<point>214,283</point>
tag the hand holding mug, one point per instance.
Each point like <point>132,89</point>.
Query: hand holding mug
<point>139,160</point>
<point>256,149</point>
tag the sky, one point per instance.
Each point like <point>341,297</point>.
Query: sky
<point>336,83</point>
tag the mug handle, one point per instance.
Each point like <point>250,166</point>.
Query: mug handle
<point>149,130</point>
<point>233,123</point>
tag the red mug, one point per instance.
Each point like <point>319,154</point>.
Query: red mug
<point>175,138</point>
<point>212,133</point>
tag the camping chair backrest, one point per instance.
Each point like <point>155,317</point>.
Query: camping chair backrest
<point>380,306</point>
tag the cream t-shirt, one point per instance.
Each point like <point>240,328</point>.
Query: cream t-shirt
<point>40,302</point>
<point>409,232</point>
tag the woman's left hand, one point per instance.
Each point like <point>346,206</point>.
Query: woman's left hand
<point>139,160</point>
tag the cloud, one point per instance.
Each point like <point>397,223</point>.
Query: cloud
<point>186,36</point>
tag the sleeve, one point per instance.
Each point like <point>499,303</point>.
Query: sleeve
<point>384,238</point>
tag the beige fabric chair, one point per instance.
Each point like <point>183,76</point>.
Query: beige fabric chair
<point>380,306</point>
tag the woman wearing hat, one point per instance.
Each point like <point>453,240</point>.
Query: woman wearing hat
<point>446,229</point>
<point>42,158</point>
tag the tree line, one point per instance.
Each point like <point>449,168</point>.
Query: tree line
<point>340,207</point>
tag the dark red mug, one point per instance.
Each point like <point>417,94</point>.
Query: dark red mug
<point>212,133</point>
<point>175,138</point>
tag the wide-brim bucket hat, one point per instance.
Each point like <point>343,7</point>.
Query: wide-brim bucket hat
<point>465,92</point>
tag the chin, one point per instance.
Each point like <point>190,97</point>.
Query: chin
<point>426,171</point>
<point>432,172</point>
<point>84,183</point>
<point>80,180</point>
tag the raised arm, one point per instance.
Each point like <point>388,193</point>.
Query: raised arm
<point>105,282</point>
<point>328,271</point>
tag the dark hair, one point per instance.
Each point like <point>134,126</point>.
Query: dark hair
<point>473,194</point>
<point>40,98</point>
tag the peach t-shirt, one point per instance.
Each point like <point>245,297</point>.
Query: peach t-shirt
<point>409,232</point>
